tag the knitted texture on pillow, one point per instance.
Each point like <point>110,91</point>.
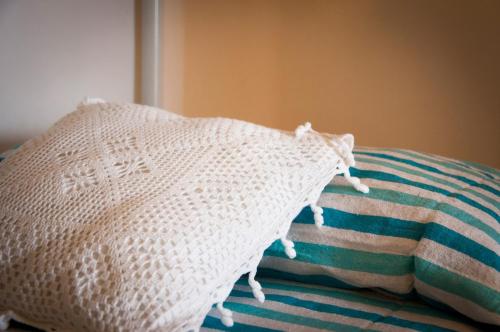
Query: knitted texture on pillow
<point>128,218</point>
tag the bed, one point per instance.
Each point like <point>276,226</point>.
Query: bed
<point>301,306</point>
<point>292,306</point>
<point>418,252</point>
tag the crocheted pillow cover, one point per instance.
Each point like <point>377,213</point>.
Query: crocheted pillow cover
<point>129,218</point>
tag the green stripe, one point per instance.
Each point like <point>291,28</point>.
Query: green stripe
<point>429,177</point>
<point>347,259</point>
<point>289,318</point>
<point>398,197</point>
<point>456,284</point>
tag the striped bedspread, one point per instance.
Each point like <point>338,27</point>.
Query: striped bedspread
<point>429,224</point>
<point>292,306</point>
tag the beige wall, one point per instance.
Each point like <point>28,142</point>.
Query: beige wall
<point>415,74</point>
<point>53,53</point>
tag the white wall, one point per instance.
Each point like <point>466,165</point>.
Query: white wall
<point>55,52</point>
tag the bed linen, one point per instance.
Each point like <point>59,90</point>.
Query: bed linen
<point>429,225</point>
<point>299,306</point>
<point>293,306</point>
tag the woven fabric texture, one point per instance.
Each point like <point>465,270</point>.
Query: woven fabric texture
<point>129,218</point>
<point>429,225</point>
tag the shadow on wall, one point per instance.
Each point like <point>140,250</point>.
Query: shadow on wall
<point>422,75</point>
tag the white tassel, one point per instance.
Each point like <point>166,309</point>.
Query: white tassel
<point>290,252</point>
<point>302,129</point>
<point>226,315</point>
<point>355,182</point>
<point>256,287</point>
<point>344,151</point>
<point>318,215</point>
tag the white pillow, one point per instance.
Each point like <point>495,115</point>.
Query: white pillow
<point>125,217</point>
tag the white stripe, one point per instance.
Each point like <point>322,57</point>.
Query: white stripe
<point>441,176</point>
<point>374,167</point>
<point>369,294</point>
<point>400,313</point>
<point>476,178</point>
<point>368,206</point>
<point>263,322</point>
<point>322,299</point>
<point>460,304</point>
<point>305,312</point>
<point>204,329</point>
<point>438,197</point>
<point>436,175</point>
<point>458,263</point>
<point>350,239</point>
<point>442,322</point>
<point>365,294</point>
<point>458,163</point>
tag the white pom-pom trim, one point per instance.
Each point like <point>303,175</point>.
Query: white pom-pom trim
<point>256,287</point>
<point>318,214</point>
<point>302,129</point>
<point>290,252</point>
<point>226,315</point>
<point>355,182</point>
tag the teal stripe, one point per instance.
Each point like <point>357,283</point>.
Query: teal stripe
<point>493,171</point>
<point>289,318</point>
<point>385,226</point>
<point>215,323</point>
<point>433,170</point>
<point>398,197</point>
<point>456,284</point>
<point>484,175</point>
<point>429,177</point>
<point>459,165</point>
<point>405,229</point>
<point>346,312</point>
<point>347,259</point>
<point>313,279</point>
<point>456,316</point>
<point>325,280</point>
<point>463,244</point>
<point>346,295</point>
<point>356,297</point>
<point>448,164</point>
<point>383,176</point>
